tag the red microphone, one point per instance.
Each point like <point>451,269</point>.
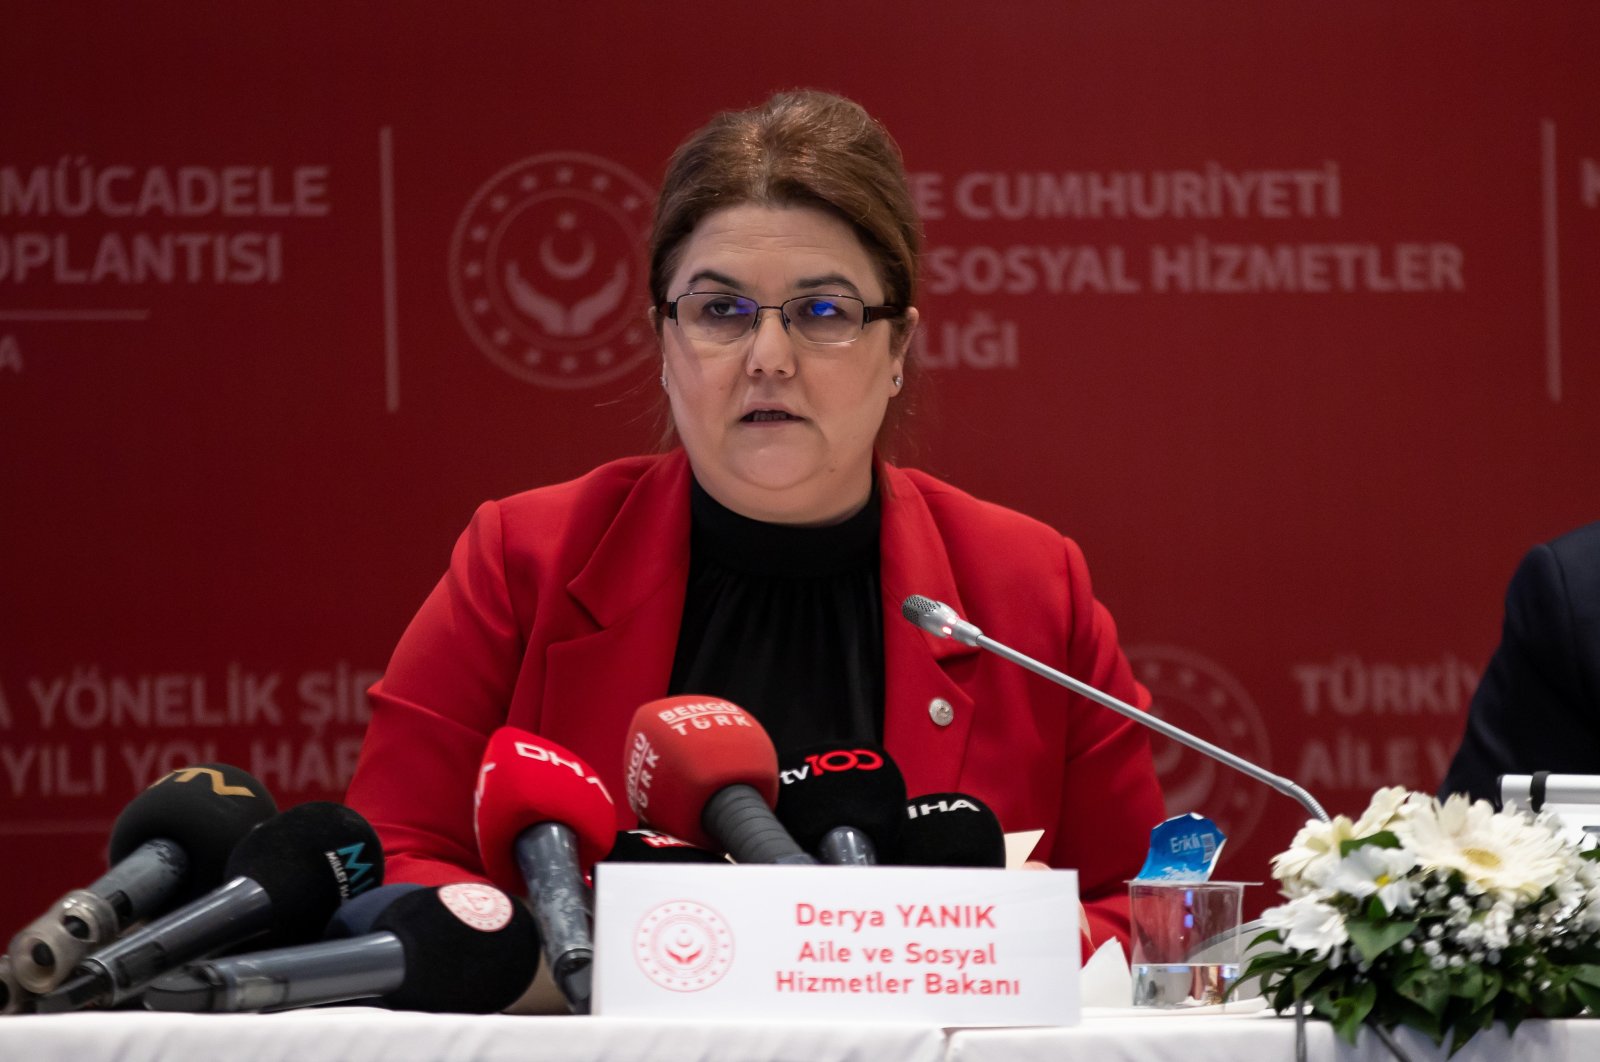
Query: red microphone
<point>543,818</point>
<point>703,768</point>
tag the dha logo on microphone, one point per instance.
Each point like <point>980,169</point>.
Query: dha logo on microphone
<point>547,270</point>
<point>1195,693</point>
<point>683,946</point>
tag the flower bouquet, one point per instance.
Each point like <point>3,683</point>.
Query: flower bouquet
<point>1445,917</point>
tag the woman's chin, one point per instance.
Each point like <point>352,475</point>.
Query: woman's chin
<point>783,493</point>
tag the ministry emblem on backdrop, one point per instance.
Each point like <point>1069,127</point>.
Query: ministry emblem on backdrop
<point>1195,694</point>
<point>547,264</point>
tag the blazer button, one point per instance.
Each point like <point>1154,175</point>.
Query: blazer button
<point>940,712</point>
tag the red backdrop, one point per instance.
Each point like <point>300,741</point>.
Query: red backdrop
<point>1286,312</point>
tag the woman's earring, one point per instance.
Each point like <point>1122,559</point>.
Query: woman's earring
<point>663,381</point>
<point>897,381</point>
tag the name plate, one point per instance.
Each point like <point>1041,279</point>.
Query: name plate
<point>936,946</point>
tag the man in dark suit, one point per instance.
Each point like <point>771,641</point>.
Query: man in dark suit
<point>1538,705</point>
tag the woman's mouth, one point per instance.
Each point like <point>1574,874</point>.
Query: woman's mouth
<point>763,416</point>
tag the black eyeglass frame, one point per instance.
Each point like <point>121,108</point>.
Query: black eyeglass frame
<point>669,308</point>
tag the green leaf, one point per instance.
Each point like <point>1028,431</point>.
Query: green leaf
<point>1467,982</point>
<point>1587,973</point>
<point>1352,1009</point>
<point>1464,1031</point>
<point>1381,839</point>
<point>1303,980</point>
<point>1426,988</point>
<point>1271,960</point>
<point>1588,995</point>
<point>1271,936</point>
<point>1372,940</point>
<point>1404,1012</point>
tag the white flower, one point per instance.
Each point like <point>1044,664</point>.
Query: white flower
<point>1497,926</point>
<point>1310,855</point>
<point>1381,812</point>
<point>1371,870</point>
<point>1502,852</point>
<point>1310,861</point>
<point>1307,925</point>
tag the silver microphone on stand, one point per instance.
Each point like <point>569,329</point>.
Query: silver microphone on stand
<point>941,620</point>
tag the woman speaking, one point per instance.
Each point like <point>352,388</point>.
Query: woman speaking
<point>764,556</point>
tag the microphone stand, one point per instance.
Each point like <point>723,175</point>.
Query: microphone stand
<point>941,621</point>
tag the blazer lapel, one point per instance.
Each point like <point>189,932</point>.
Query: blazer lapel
<point>632,589</point>
<point>927,715</point>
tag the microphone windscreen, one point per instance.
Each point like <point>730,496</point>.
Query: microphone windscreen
<point>951,830</point>
<point>841,784</point>
<point>355,916</point>
<point>206,810</point>
<point>653,846</point>
<point>308,860</point>
<point>682,751</point>
<point>470,949</point>
<point>525,780</point>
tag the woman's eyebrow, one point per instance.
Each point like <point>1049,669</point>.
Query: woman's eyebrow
<point>715,277</point>
<point>829,280</point>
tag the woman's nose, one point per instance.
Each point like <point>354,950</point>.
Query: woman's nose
<point>771,349</point>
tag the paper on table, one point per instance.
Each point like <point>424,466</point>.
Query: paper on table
<point>1106,980</point>
<point>1019,846</point>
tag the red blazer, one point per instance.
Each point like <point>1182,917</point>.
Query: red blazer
<point>560,612</point>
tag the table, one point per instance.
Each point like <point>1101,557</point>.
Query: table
<point>366,1034</point>
<point>1117,1037</point>
<point>362,1034</point>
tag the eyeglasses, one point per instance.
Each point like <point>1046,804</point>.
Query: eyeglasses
<point>818,320</point>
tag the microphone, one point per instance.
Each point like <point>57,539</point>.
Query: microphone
<point>543,818</point>
<point>1534,791</point>
<point>653,846</point>
<point>951,830</point>
<point>355,916</point>
<point>704,769</point>
<point>941,621</point>
<point>14,999</point>
<point>465,948</point>
<point>284,879</point>
<point>845,802</point>
<point>167,846</point>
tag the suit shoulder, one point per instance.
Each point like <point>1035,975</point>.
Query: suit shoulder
<point>576,511</point>
<point>613,480</point>
<point>956,510</point>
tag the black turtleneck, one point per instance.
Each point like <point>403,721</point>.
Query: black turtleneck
<point>786,622</point>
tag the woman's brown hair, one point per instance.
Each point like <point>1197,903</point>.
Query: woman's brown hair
<point>800,148</point>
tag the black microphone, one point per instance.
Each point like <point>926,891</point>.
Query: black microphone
<point>286,878</point>
<point>14,999</point>
<point>167,847</point>
<point>355,916</point>
<point>466,949</point>
<point>843,801</point>
<point>941,621</point>
<point>950,830</point>
<point>653,846</point>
